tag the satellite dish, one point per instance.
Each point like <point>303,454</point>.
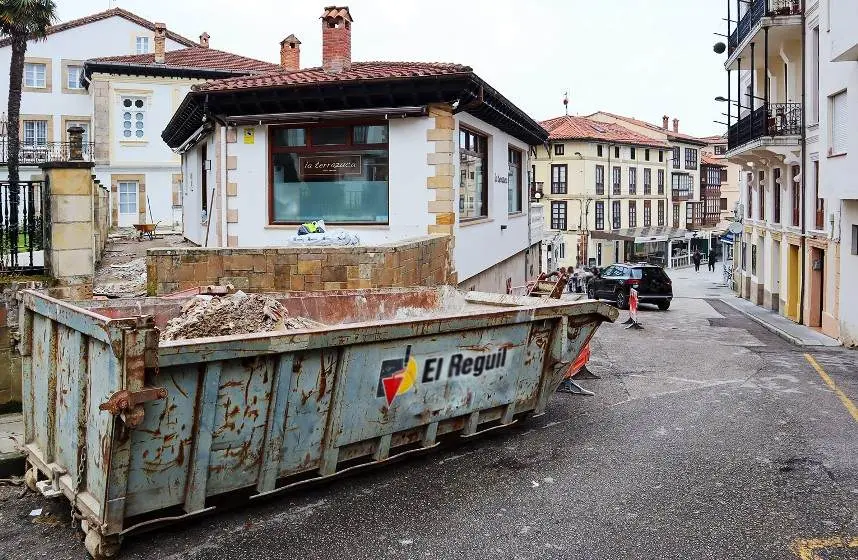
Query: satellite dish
<point>735,227</point>
<point>719,48</point>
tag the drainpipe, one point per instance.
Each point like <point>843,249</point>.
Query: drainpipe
<point>803,206</point>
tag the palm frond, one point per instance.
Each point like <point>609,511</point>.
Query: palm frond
<point>27,17</point>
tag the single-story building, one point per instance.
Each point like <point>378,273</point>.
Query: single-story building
<point>386,150</point>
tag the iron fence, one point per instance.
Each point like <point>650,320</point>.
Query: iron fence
<point>757,9</point>
<point>21,226</point>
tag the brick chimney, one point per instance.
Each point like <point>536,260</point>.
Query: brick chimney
<point>336,39</point>
<point>160,42</point>
<point>676,125</point>
<point>204,40</point>
<point>290,53</point>
<point>664,120</point>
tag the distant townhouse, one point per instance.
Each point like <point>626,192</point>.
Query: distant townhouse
<point>389,151</point>
<point>54,93</point>
<point>605,193</point>
<point>132,98</point>
<point>716,149</point>
<point>791,129</point>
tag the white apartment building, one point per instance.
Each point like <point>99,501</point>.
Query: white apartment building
<point>54,95</point>
<point>133,98</point>
<point>790,67</point>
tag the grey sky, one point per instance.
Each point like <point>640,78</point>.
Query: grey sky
<point>641,58</point>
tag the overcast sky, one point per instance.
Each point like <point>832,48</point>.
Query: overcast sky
<point>641,58</point>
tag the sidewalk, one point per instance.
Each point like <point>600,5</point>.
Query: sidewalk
<point>708,285</point>
<point>11,432</point>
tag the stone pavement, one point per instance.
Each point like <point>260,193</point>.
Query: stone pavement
<point>709,285</point>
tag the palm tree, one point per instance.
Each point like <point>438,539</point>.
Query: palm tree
<point>20,20</point>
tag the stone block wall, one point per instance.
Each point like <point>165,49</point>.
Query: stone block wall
<point>419,262</point>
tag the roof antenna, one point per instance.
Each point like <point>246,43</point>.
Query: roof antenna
<point>566,101</point>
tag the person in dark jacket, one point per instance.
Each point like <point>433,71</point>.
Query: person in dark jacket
<point>712,261</point>
<point>696,258</point>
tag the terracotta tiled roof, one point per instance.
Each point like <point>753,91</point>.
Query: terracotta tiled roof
<point>336,12</point>
<point>669,132</point>
<point>709,159</point>
<point>359,71</point>
<point>108,14</point>
<point>583,128</point>
<point>715,139</point>
<point>197,57</point>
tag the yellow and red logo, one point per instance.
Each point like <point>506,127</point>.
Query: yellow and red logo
<point>397,376</point>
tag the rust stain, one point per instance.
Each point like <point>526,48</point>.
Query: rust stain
<point>178,387</point>
<point>233,383</point>
<point>482,348</point>
<point>180,457</point>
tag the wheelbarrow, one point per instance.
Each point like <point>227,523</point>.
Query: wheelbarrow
<point>146,229</point>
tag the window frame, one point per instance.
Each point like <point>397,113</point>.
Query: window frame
<point>691,158</point>
<point>646,154</point>
<point>133,139</point>
<point>47,78</point>
<point>560,187</point>
<point>720,150</point>
<point>633,214</point>
<point>119,194</point>
<point>599,151</point>
<point>616,180</point>
<point>677,154</point>
<point>558,206</point>
<point>511,152</point>
<point>349,146</point>
<point>616,152</point>
<point>633,180</point>
<point>676,217</point>
<point>842,148</point>
<point>796,196</point>
<point>647,180</point>
<point>137,41</point>
<point>647,213</point>
<point>67,86</point>
<point>660,184</point>
<point>662,213</point>
<point>600,185</point>
<point>599,215</point>
<point>559,149</point>
<point>35,122</point>
<point>616,214</point>
<point>632,153</point>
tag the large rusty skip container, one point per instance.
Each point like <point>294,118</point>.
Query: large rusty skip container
<point>135,433</point>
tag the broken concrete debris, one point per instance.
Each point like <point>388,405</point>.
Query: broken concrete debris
<point>238,313</point>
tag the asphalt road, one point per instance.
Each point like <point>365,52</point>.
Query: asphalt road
<point>708,438</point>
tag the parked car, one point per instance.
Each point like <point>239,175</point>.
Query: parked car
<point>614,283</point>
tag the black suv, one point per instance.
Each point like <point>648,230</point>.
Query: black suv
<point>615,281</point>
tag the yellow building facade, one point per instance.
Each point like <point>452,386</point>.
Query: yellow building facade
<point>597,180</point>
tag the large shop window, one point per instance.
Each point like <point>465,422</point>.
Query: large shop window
<point>336,172</point>
<point>474,170</point>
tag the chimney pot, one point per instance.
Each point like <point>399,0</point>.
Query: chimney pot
<point>290,53</point>
<point>160,42</point>
<point>676,125</point>
<point>336,39</point>
<point>204,40</point>
<point>664,122</point>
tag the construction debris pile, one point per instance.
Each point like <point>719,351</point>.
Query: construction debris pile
<point>238,313</point>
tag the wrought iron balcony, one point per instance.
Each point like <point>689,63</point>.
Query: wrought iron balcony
<point>772,119</point>
<point>38,153</point>
<point>756,11</point>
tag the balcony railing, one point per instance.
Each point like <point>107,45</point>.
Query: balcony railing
<point>756,11</point>
<point>35,154</point>
<point>682,194</point>
<point>772,119</point>
<point>21,227</point>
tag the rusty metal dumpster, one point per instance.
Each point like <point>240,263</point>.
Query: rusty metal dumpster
<point>135,433</point>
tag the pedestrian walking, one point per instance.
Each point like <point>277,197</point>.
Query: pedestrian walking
<point>696,258</point>
<point>712,260</point>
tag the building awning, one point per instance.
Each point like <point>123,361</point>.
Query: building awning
<point>641,235</point>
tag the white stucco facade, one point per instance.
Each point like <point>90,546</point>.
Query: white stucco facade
<point>239,177</point>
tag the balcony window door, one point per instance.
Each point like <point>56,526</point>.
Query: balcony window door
<point>762,192</point>
<point>559,175</point>
<point>661,212</point>
<point>633,180</point>
<point>647,213</point>
<point>647,189</point>
<point>661,181</point>
<point>35,133</point>
<point>600,180</point>
<point>616,215</point>
<point>600,215</point>
<point>795,187</point>
<point>676,215</point>
<point>558,215</point>
<point>633,214</point>
<point>617,180</point>
<point>128,199</point>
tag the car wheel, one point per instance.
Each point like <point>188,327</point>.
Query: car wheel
<point>591,291</point>
<point>622,300</point>
<point>664,305</point>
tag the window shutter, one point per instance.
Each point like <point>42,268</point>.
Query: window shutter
<point>839,124</point>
